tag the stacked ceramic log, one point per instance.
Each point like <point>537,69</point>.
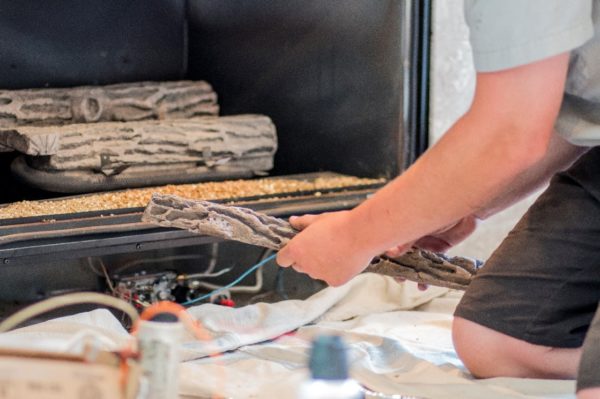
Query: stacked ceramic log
<point>130,134</point>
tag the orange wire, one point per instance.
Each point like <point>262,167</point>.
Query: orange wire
<point>125,354</point>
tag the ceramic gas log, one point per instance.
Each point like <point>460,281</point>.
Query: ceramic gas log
<point>108,146</point>
<point>120,102</point>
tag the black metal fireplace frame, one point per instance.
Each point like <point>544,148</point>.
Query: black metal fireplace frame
<point>51,238</point>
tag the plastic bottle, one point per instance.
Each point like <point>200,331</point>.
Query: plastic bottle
<point>329,372</point>
<point>158,340</point>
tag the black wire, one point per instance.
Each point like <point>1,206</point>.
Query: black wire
<point>279,286</point>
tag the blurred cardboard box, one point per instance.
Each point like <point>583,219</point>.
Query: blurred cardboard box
<point>44,375</point>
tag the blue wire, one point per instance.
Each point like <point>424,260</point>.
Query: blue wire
<point>234,282</point>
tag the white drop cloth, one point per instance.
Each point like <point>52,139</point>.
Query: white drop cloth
<point>394,349</point>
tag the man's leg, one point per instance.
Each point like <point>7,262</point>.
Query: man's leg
<point>488,353</point>
<point>589,393</point>
<point>528,309</point>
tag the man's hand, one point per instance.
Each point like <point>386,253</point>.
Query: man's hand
<point>441,240</point>
<point>325,249</point>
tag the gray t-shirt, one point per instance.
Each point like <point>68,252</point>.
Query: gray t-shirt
<point>509,33</point>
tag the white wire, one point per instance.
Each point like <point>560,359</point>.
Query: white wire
<point>205,274</point>
<point>233,283</point>
<point>136,262</point>
<point>214,254</point>
<point>67,300</point>
<point>240,288</point>
<point>92,267</point>
<point>107,277</point>
<point>104,273</point>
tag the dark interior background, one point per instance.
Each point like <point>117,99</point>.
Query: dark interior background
<point>329,74</point>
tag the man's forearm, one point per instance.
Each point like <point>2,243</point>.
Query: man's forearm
<point>560,155</point>
<point>459,176</point>
<point>506,131</point>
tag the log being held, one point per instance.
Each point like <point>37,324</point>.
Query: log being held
<point>250,227</point>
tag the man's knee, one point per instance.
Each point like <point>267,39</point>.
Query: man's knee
<point>590,393</point>
<point>488,353</point>
<point>477,345</point>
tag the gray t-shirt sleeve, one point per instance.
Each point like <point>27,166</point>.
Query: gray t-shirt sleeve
<point>509,33</point>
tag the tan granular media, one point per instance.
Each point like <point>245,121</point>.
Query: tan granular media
<point>135,198</point>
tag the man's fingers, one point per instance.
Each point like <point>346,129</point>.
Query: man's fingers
<point>284,259</point>
<point>398,250</point>
<point>422,287</point>
<point>459,232</point>
<point>302,222</point>
<point>433,244</point>
<point>393,252</point>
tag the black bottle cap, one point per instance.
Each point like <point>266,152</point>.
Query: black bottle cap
<point>165,317</point>
<point>328,358</point>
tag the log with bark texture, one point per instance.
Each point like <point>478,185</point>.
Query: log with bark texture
<point>428,268</point>
<point>228,222</point>
<point>248,226</point>
<point>107,146</point>
<point>120,102</point>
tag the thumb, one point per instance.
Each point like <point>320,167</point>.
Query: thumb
<point>284,258</point>
<point>302,222</point>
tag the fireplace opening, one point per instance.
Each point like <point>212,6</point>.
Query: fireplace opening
<point>345,88</point>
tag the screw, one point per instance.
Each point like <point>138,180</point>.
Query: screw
<point>6,261</point>
<point>138,246</point>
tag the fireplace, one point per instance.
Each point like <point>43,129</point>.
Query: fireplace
<point>345,86</point>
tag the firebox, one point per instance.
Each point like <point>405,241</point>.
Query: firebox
<point>345,84</point>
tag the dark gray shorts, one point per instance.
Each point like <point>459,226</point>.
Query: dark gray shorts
<point>589,367</point>
<point>542,285</point>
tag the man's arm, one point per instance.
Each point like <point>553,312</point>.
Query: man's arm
<point>506,132</point>
<point>560,155</point>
